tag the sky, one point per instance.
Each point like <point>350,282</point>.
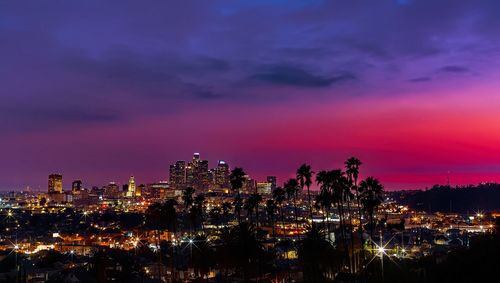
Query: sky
<point>101,90</point>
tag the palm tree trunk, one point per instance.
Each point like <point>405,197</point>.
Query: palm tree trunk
<point>353,265</point>
<point>310,205</point>
<point>296,214</point>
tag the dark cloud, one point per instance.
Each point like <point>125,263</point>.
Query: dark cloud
<point>420,79</point>
<point>296,76</point>
<point>454,69</point>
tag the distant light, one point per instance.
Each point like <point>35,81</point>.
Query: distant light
<point>381,250</point>
<point>190,241</point>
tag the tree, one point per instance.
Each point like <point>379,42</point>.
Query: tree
<point>304,176</point>
<point>371,191</point>
<point>255,199</point>
<point>242,249</point>
<point>317,256</point>
<point>325,197</point>
<point>270,211</point>
<point>292,189</point>
<point>199,209</point>
<point>279,197</point>
<point>237,179</point>
<point>352,170</point>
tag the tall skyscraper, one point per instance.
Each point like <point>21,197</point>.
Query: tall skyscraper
<point>177,176</point>
<point>131,187</point>
<point>55,184</point>
<point>222,175</point>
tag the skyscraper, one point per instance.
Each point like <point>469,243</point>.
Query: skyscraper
<point>222,174</point>
<point>131,187</point>
<point>55,184</point>
<point>177,176</point>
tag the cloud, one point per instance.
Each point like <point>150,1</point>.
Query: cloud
<point>420,80</point>
<point>297,76</point>
<point>454,69</point>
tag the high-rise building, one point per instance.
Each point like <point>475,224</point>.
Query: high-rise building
<point>131,187</point>
<point>272,180</point>
<point>177,177</point>
<point>197,173</point>
<point>76,186</point>
<point>222,174</point>
<point>112,190</point>
<point>55,184</point>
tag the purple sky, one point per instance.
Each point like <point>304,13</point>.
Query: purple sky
<point>100,90</point>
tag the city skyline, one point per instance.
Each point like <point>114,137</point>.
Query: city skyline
<point>101,91</point>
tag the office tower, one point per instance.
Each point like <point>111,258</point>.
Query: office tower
<point>131,187</point>
<point>55,184</point>
<point>197,173</point>
<point>76,186</point>
<point>112,190</point>
<point>177,176</point>
<point>272,180</point>
<point>222,174</point>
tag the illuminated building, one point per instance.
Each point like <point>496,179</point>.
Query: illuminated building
<point>178,174</point>
<point>131,187</point>
<point>222,174</point>
<point>264,188</point>
<point>55,183</point>
<point>76,186</point>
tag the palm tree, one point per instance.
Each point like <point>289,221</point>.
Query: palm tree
<point>249,206</point>
<point>292,189</point>
<point>270,211</point>
<point>279,197</point>
<point>237,179</point>
<point>325,198</point>
<point>371,191</point>
<point>187,199</point>
<point>304,176</point>
<point>317,257</point>
<point>238,205</point>
<point>256,199</point>
<point>352,169</point>
<point>242,249</point>
<point>199,204</point>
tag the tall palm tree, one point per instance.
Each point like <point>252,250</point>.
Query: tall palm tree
<point>187,199</point>
<point>279,197</point>
<point>256,199</point>
<point>238,205</point>
<point>292,190</point>
<point>270,211</point>
<point>342,195</point>
<point>199,203</point>
<point>371,191</point>
<point>352,170</point>
<point>325,198</point>
<point>237,179</point>
<point>304,176</point>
